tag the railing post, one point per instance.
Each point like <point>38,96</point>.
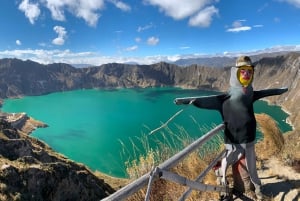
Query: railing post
<point>202,175</point>
<point>135,186</point>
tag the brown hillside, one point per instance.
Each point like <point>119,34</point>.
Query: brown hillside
<point>30,170</point>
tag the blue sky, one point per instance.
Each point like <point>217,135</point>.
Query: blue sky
<point>146,31</point>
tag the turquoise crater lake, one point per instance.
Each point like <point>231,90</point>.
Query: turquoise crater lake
<point>88,125</point>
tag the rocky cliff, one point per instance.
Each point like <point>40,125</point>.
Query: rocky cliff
<point>19,78</point>
<point>282,71</point>
<point>30,170</point>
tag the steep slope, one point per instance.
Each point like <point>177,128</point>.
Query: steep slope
<point>282,71</point>
<point>30,170</point>
<point>19,78</point>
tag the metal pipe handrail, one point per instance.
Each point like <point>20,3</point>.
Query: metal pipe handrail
<point>202,175</point>
<point>139,183</point>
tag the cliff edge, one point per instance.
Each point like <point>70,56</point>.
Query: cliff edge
<point>30,170</point>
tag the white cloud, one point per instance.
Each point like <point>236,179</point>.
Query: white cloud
<point>238,23</point>
<point>56,9</point>
<point>143,28</point>
<point>196,10</point>
<point>263,7</point>
<point>121,5</point>
<point>153,41</point>
<point>239,29</point>
<point>179,9</point>
<point>237,26</point>
<point>295,3</point>
<point>93,58</point>
<point>62,34</point>
<point>31,10</point>
<point>66,56</point>
<point>204,17</point>
<point>18,42</point>
<point>85,9</point>
<point>88,10</point>
<point>184,47</point>
<point>132,48</point>
<point>138,39</point>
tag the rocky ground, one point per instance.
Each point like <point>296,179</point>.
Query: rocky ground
<point>30,170</point>
<point>280,182</point>
<point>278,165</point>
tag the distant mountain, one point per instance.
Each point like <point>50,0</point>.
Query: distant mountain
<point>32,170</point>
<point>222,61</point>
<point>81,65</point>
<point>20,78</point>
<point>207,61</point>
<point>131,62</point>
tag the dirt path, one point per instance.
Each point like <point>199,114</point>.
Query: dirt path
<point>280,183</point>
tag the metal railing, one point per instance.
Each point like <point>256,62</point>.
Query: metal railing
<point>162,171</point>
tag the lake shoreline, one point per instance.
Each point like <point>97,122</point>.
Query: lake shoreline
<point>154,96</point>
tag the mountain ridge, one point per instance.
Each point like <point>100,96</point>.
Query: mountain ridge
<point>29,156</point>
<point>224,61</point>
<point>27,78</point>
<point>31,170</point>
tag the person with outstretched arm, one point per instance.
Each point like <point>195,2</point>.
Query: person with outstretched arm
<point>236,109</point>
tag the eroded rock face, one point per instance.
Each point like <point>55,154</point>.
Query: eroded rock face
<point>30,170</point>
